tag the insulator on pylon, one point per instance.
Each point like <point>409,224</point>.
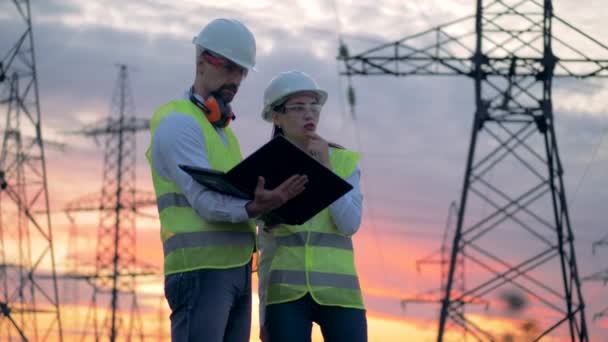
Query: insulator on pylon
<point>352,100</point>
<point>350,93</point>
<point>342,51</point>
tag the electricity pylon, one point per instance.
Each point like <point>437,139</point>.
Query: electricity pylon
<point>116,268</point>
<point>509,49</point>
<point>80,268</point>
<point>441,258</point>
<point>29,304</point>
<point>601,276</point>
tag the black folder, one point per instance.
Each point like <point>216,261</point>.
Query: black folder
<point>276,161</point>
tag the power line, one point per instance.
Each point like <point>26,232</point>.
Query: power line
<point>340,84</point>
<point>596,150</point>
<point>359,147</point>
<point>422,12</point>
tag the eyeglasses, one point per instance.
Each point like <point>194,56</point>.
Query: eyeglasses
<point>219,61</point>
<point>301,109</point>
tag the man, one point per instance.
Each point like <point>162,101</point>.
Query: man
<point>208,238</point>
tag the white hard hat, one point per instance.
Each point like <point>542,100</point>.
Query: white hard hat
<point>228,38</point>
<point>288,83</point>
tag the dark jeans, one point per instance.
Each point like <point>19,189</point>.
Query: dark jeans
<point>292,322</point>
<point>210,305</point>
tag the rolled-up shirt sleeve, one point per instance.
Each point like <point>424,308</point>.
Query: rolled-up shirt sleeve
<point>178,139</point>
<point>347,210</point>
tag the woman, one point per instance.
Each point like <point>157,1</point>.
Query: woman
<point>307,272</point>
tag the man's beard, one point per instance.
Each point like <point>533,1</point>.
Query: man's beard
<point>227,92</point>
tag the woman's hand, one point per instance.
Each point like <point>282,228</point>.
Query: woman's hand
<point>319,149</point>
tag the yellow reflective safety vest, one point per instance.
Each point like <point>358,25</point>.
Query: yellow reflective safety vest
<point>316,257</point>
<point>190,242</point>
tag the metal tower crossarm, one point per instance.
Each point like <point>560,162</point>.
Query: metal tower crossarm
<point>512,50</point>
<point>446,50</point>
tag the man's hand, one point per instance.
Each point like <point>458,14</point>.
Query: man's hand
<point>319,149</point>
<point>267,200</point>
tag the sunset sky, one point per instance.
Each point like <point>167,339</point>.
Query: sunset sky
<point>413,134</point>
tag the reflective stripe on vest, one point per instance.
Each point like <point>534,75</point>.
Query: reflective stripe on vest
<point>316,239</point>
<point>205,239</point>
<point>315,279</point>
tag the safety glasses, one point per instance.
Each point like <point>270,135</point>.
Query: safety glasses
<point>224,63</point>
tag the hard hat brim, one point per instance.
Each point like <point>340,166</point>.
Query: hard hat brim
<point>237,62</point>
<point>267,111</point>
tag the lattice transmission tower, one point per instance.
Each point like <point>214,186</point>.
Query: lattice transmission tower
<point>441,258</point>
<point>29,304</point>
<point>114,310</point>
<point>512,50</point>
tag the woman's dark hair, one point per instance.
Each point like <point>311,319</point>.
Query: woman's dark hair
<point>279,108</point>
<point>276,130</point>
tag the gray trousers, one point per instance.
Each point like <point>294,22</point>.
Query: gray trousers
<point>210,305</point>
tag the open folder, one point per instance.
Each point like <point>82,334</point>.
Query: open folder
<point>276,161</point>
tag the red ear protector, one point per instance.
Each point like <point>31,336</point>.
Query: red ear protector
<point>217,111</point>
